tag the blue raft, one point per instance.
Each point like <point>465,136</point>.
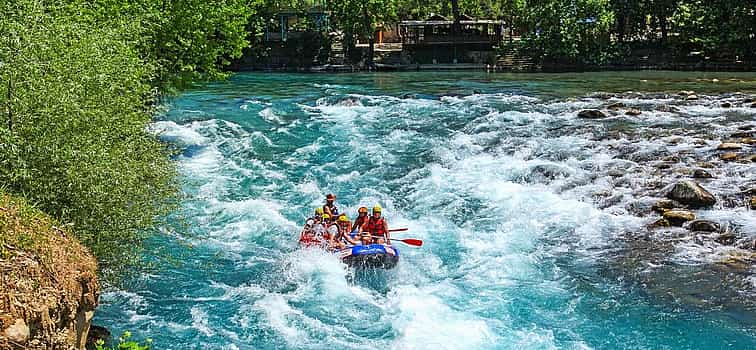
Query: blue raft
<point>370,256</point>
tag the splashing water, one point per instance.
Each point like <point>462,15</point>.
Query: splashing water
<point>520,204</point>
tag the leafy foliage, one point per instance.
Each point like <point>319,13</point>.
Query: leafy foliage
<point>78,82</point>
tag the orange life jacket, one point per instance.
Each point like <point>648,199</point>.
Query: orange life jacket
<point>375,227</point>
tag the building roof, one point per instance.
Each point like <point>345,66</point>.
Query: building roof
<point>414,23</point>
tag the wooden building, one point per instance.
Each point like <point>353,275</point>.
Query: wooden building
<point>434,40</point>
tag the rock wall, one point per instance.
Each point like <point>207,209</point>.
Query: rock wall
<point>48,288</point>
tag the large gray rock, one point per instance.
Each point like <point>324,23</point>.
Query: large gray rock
<point>691,194</point>
<point>703,225</point>
<point>591,114</point>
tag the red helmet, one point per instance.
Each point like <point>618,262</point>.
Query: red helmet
<point>331,196</point>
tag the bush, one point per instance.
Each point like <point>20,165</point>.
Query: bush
<point>76,96</point>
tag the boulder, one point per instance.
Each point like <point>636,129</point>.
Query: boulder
<point>633,112</point>
<point>678,217</point>
<point>703,225</point>
<point>691,194</point>
<point>18,332</point>
<point>726,105</point>
<point>753,105</point>
<point>659,223</point>
<point>748,141</point>
<point>663,205</point>
<point>686,93</point>
<point>728,156</point>
<point>691,97</point>
<point>616,105</point>
<point>667,108</point>
<point>591,114</point>
<point>753,202</point>
<point>728,146</point>
<point>701,174</point>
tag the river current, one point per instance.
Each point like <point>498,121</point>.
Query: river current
<point>526,211</point>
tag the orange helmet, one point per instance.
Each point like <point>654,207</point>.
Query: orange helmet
<point>362,210</point>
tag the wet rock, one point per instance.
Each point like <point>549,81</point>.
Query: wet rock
<point>728,146</point>
<point>667,109</point>
<point>17,332</point>
<point>753,105</point>
<point>686,92</point>
<point>748,244</point>
<point>701,174</point>
<point>633,112</point>
<point>748,141</point>
<point>677,217</point>
<point>692,194</point>
<point>659,223</point>
<point>664,205</point>
<point>740,134</point>
<point>704,225</point>
<point>591,114</point>
<point>616,105</point>
<point>691,97</point>
<point>753,202</point>
<point>727,238</point>
<point>729,156</point>
<point>726,105</point>
<point>745,127</point>
<point>706,165</point>
<point>97,333</point>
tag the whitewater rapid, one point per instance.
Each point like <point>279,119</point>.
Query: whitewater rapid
<point>522,207</point>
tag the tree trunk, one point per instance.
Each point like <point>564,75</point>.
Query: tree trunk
<point>456,27</point>
<point>369,33</point>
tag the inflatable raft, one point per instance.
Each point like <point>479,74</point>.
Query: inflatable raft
<point>370,256</point>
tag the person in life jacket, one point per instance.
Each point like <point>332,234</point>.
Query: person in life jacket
<point>377,227</point>
<point>330,206</point>
<point>308,232</point>
<point>345,227</point>
<point>362,216</point>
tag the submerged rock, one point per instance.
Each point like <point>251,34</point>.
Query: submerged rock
<point>668,109</point>
<point>728,156</point>
<point>633,112</point>
<point>691,194</point>
<point>704,225</point>
<point>727,238</point>
<point>729,146</point>
<point>726,105</point>
<point>616,105</point>
<point>701,174</point>
<point>591,114</point>
<point>677,217</point>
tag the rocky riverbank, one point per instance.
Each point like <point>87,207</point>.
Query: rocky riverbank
<point>684,163</point>
<point>49,289</point>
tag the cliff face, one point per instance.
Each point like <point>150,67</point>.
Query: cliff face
<point>48,285</point>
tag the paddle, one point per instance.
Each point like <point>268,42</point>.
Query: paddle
<point>409,241</point>
<point>399,229</point>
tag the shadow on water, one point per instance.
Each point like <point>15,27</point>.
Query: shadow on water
<point>375,279</point>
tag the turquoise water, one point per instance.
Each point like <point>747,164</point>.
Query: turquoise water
<point>493,172</point>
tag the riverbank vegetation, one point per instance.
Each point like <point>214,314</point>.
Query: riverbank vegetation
<point>79,83</point>
<point>562,31</point>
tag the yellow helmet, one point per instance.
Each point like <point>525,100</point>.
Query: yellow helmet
<point>326,216</point>
<point>377,208</point>
<point>319,211</point>
<point>343,218</point>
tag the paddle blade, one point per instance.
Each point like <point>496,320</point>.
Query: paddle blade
<point>414,242</point>
<point>398,229</point>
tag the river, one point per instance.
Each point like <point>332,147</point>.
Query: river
<point>534,220</point>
